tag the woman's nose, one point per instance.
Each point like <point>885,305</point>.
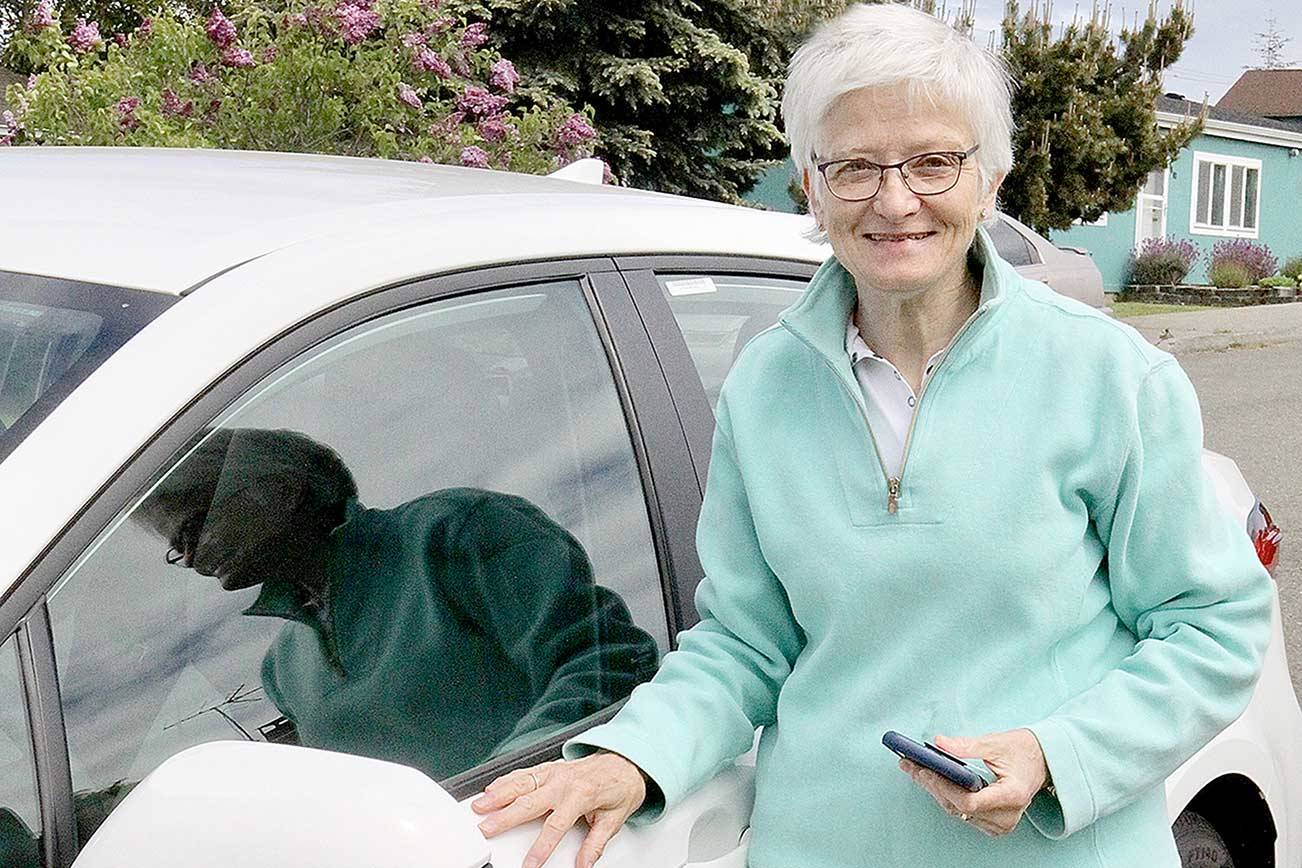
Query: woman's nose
<point>895,199</point>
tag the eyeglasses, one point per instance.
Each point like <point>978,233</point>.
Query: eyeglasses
<point>930,174</point>
<point>186,540</point>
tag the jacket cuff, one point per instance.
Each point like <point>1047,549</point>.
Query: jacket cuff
<point>662,784</point>
<point>1068,805</point>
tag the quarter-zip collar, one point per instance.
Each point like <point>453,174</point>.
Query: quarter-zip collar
<point>819,317</point>
<point>281,597</point>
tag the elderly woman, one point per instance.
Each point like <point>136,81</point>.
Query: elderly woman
<point>942,500</point>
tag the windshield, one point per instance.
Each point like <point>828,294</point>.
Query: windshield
<point>52,334</point>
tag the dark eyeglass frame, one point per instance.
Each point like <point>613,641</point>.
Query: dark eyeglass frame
<point>961,156</point>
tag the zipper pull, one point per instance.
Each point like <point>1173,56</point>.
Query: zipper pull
<point>892,495</point>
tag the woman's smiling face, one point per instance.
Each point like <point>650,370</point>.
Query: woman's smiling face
<point>897,242</point>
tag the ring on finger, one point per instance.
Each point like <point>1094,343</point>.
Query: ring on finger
<point>533,777</point>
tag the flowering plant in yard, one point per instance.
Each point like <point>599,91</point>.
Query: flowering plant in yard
<point>1162,261</point>
<point>1256,260</point>
<point>403,79</point>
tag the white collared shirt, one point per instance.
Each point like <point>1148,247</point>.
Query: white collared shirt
<point>887,396</point>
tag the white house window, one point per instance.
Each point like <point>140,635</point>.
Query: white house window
<point>1225,196</point>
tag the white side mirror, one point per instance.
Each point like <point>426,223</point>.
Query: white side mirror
<point>258,805</point>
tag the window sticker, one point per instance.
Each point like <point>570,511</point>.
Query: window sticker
<point>691,286</point>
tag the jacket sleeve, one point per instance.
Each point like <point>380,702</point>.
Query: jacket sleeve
<point>1186,582</point>
<point>525,582</point>
<point>702,708</point>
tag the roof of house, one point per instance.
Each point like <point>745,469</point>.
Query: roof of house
<point>1217,112</point>
<point>1266,93</point>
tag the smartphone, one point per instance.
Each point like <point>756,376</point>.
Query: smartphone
<point>929,756</point>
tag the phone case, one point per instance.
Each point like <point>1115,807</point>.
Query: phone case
<point>929,756</point>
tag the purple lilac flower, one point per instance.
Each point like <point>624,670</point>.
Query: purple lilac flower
<point>425,159</point>
<point>411,40</point>
<point>437,26</point>
<point>475,158</point>
<point>126,109</point>
<point>426,60</point>
<point>9,125</point>
<point>574,131</point>
<point>407,94</point>
<point>474,36</point>
<point>1256,259</point>
<point>495,129</point>
<point>85,37</point>
<point>120,39</point>
<point>31,81</point>
<point>504,77</point>
<point>269,54</point>
<point>447,127</point>
<point>199,75</point>
<point>42,16</point>
<point>214,106</point>
<point>220,29</point>
<point>146,28</point>
<point>238,58</point>
<point>479,103</point>
<point>430,5</point>
<point>356,21</point>
<point>173,107</point>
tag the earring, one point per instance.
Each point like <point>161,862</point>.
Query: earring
<point>984,214</point>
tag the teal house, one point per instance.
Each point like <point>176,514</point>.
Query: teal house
<point>1240,178</point>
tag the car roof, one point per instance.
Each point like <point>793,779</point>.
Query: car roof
<point>169,219</point>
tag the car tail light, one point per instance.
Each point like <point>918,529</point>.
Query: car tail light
<point>1265,536</point>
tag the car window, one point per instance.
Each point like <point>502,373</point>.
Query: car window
<point>52,334</point>
<point>424,541</point>
<point>20,820</point>
<point>720,313</point>
<point>1010,244</point>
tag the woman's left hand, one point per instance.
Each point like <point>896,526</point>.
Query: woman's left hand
<point>1018,763</point>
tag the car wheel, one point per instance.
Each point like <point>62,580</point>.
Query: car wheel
<point>1200,845</point>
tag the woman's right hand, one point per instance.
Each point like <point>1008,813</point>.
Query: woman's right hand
<point>604,788</point>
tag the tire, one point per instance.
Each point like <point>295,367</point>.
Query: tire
<point>1200,845</point>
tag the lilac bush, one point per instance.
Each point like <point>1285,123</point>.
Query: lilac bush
<point>404,79</point>
<point>1162,261</point>
<point>1256,260</point>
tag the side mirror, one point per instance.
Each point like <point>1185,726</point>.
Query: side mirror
<point>259,805</point>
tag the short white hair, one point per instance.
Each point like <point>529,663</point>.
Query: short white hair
<point>888,44</point>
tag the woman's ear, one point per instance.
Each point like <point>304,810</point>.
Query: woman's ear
<point>806,184</point>
<point>991,198</point>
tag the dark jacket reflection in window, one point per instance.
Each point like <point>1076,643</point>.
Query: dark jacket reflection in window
<point>438,633</point>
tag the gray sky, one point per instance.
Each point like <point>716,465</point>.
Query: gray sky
<point>1222,44</point>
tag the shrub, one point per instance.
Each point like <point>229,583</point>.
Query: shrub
<point>1256,259</point>
<point>1162,261</point>
<point>389,78</point>
<point>1281,280</point>
<point>1228,275</point>
<point>1293,268</point>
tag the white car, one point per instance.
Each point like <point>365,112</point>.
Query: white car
<point>467,347</point>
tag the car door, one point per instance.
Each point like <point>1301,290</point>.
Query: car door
<point>447,524</point>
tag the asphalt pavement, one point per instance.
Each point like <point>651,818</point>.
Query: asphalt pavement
<point>1246,364</point>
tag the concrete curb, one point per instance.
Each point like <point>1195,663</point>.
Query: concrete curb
<point>1222,329</point>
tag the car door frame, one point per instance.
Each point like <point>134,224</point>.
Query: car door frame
<point>695,414</point>
<point>656,436</point>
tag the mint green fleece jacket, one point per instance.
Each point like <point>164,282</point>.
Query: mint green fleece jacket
<point>1056,560</point>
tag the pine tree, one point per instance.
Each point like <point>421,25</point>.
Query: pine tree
<point>1270,45</point>
<point>683,92</point>
<point>1085,112</point>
